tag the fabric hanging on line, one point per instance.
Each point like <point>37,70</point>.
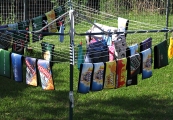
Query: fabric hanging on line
<point>146,44</point>
<point>170,48</point>
<point>5,63</point>
<point>146,63</point>
<point>37,25</point>
<point>58,12</point>
<point>133,69</point>
<point>61,37</point>
<point>31,72</point>
<point>5,38</point>
<point>111,52</point>
<point>47,51</point>
<point>80,58</point>
<point>108,38</point>
<point>123,25</point>
<point>50,17</point>
<point>121,72</point>
<point>133,49</point>
<point>160,54</point>
<point>85,76</point>
<point>17,65</point>
<point>97,77</point>
<point>98,52</point>
<point>3,27</point>
<point>120,47</point>
<point>110,74</point>
<point>45,72</point>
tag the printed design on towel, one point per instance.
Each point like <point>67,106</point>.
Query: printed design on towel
<point>5,63</point>
<point>5,38</point>
<point>85,77</point>
<point>98,74</point>
<point>45,74</point>
<point>121,72</point>
<point>133,49</point>
<point>31,76</point>
<point>47,51</point>
<point>170,48</point>
<point>50,17</point>
<point>110,75</point>
<point>17,67</point>
<point>135,64</point>
<point>120,47</point>
<point>146,63</point>
<point>161,55</point>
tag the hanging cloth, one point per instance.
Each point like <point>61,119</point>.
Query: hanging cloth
<point>37,25</point>
<point>17,65</point>
<point>146,44</point>
<point>111,52</point>
<point>45,72</point>
<point>58,12</point>
<point>134,49</point>
<point>85,76</point>
<point>31,72</point>
<point>120,47</point>
<point>123,25</point>
<point>110,74</point>
<point>121,72</point>
<point>61,37</point>
<point>170,48</point>
<point>146,63</point>
<point>50,17</point>
<point>5,40</point>
<point>133,69</point>
<point>47,51</point>
<point>97,77</point>
<point>80,58</point>
<point>5,63</point>
<point>161,55</point>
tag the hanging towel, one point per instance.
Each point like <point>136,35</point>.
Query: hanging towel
<point>133,69</point>
<point>17,66</point>
<point>37,25</point>
<point>97,77</point>
<point>50,17</point>
<point>161,55</point>
<point>123,25</point>
<point>58,12</point>
<point>111,52</point>
<point>170,48</point>
<point>146,63</point>
<point>85,76</point>
<point>47,51</point>
<point>5,63</point>
<point>121,72</point>
<point>45,72</point>
<point>80,58</point>
<point>146,44</point>
<point>61,37</point>
<point>18,46</point>
<point>31,72</point>
<point>5,40</point>
<point>98,51</point>
<point>133,49</point>
<point>108,38</point>
<point>3,27</point>
<point>110,74</point>
<point>120,47</point>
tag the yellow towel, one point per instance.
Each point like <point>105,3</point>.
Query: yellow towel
<point>50,17</point>
<point>170,48</point>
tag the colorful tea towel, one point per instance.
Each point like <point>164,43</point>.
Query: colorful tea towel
<point>50,17</point>
<point>170,48</point>
<point>161,55</point>
<point>37,25</point>
<point>120,47</point>
<point>18,46</point>
<point>45,72</point>
<point>133,69</point>
<point>31,72</point>
<point>111,52</point>
<point>80,58</point>
<point>58,12</point>
<point>17,65</point>
<point>61,37</point>
<point>98,77</point>
<point>121,72</point>
<point>5,63</point>
<point>134,49</point>
<point>85,75</point>
<point>122,25</point>
<point>110,74</point>
<point>98,51</point>
<point>146,63</point>
<point>47,51</point>
<point>146,44</point>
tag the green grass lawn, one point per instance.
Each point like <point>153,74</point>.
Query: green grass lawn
<point>151,99</point>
